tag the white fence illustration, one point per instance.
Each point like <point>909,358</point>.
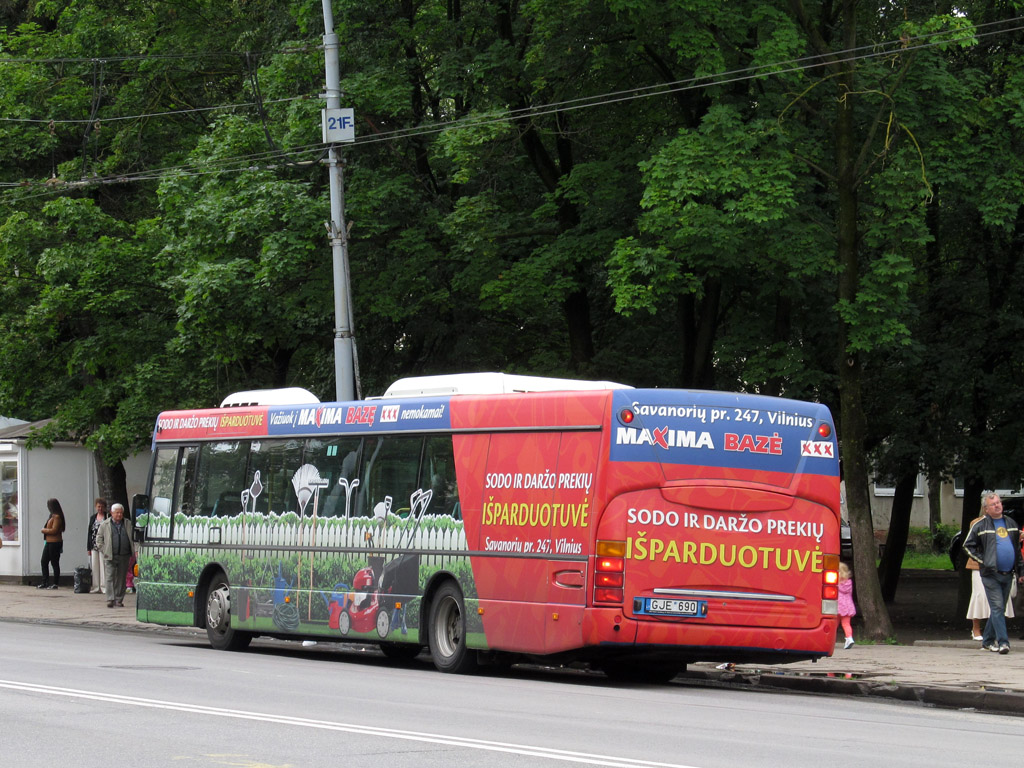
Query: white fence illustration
<point>437,535</point>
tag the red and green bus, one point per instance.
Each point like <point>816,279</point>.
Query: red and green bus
<point>492,518</point>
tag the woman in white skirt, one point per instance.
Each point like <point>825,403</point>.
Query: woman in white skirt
<point>95,558</point>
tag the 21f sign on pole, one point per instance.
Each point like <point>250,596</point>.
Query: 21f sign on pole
<point>339,125</point>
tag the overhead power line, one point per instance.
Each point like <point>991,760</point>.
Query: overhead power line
<point>169,113</point>
<point>251,162</point>
<point>878,50</point>
<point>112,58</point>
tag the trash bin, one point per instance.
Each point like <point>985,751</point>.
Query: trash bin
<point>83,579</point>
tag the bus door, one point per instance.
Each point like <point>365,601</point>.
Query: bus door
<point>515,537</point>
<point>572,523</point>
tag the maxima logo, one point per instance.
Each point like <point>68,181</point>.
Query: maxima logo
<point>664,438</point>
<point>322,417</point>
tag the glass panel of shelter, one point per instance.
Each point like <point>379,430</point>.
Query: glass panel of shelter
<point>9,500</point>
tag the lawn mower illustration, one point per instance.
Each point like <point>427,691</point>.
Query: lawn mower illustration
<point>381,590</point>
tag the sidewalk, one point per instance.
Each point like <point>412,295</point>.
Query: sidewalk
<point>942,672</point>
<point>936,669</point>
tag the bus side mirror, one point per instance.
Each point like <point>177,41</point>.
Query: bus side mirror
<point>140,509</point>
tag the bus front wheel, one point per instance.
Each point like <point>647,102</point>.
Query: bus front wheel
<point>447,635</point>
<point>218,619</point>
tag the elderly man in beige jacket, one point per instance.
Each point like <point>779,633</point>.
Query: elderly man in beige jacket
<point>115,540</point>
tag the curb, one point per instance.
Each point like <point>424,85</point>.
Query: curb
<point>992,701</point>
<point>139,628</point>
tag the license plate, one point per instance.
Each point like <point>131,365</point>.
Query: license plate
<point>668,606</point>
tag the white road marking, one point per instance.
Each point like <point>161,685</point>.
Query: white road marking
<point>389,733</point>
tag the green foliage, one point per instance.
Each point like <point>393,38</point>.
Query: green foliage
<point>703,218</point>
<point>926,542</point>
<point>928,561</point>
<point>942,537</point>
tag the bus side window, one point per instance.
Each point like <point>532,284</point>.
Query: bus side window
<point>277,461</point>
<point>438,474</point>
<point>188,477</point>
<point>220,479</point>
<point>390,472</point>
<point>337,460</point>
<point>158,521</point>
<point>162,487</point>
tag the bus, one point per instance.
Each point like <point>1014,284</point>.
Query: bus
<point>491,518</point>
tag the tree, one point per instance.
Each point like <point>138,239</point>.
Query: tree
<point>86,320</point>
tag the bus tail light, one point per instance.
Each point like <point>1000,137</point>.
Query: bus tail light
<point>609,572</point>
<point>830,585</point>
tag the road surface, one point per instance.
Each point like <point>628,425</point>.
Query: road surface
<point>81,697</point>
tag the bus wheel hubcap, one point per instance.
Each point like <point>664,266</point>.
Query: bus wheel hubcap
<point>449,629</point>
<point>217,609</point>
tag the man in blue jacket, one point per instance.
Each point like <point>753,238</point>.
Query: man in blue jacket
<point>994,543</point>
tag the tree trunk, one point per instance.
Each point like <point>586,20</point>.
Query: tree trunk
<point>112,481</point>
<point>577,315</point>
<point>698,326</point>
<point>878,626</point>
<point>973,488</point>
<point>896,539</point>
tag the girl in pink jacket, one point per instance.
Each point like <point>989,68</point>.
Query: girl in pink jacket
<point>847,609</point>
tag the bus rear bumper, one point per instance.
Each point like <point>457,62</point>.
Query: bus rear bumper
<point>697,640</point>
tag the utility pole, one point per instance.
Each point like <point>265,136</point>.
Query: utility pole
<point>338,126</point>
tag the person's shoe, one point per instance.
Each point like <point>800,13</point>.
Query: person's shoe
<point>1004,649</point>
<point>119,604</point>
<point>94,591</point>
<point>53,586</point>
<point>44,585</point>
<point>990,647</point>
<point>110,603</point>
<point>130,590</point>
<point>975,637</point>
<point>848,644</point>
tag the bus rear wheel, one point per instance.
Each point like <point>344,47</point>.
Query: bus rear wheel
<point>447,633</point>
<point>218,619</point>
